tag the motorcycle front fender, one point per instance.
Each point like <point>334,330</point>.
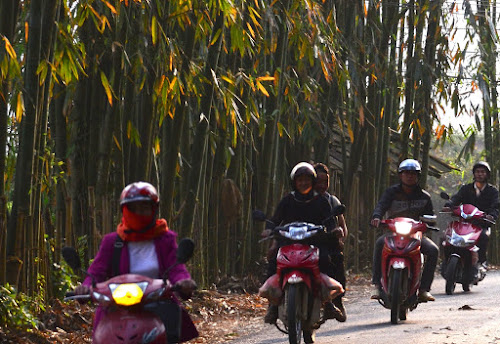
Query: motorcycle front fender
<point>295,277</point>
<point>120,324</point>
<point>398,263</point>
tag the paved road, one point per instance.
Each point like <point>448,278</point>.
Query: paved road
<point>472,318</point>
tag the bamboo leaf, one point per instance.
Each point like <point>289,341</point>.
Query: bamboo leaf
<point>226,79</point>
<point>19,107</point>
<point>262,88</point>
<point>153,30</point>
<point>42,71</point>
<point>10,50</point>
<point>265,78</point>
<point>111,7</point>
<point>350,132</point>
<point>117,143</point>
<point>216,36</point>
<point>107,88</point>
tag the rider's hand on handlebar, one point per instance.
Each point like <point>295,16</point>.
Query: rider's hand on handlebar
<point>490,217</point>
<point>185,287</point>
<point>446,209</point>
<point>82,290</point>
<point>375,222</point>
<point>266,232</point>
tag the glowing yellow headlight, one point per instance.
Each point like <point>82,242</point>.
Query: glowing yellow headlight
<point>128,294</point>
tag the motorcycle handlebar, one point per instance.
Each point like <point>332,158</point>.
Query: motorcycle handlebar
<point>81,298</point>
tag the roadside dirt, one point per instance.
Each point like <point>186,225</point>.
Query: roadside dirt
<point>220,316</point>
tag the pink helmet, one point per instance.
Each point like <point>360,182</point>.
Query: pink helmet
<point>139,191</point>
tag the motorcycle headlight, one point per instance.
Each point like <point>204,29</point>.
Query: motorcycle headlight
<point>403,228</point>
<point>128,294</point>
<point>457,240</point>
<point>297,233</point>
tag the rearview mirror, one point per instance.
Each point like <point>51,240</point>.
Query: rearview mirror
<point>258,215</point>
<point>338,210</point>
<point>444,195</point>
<point>185,250</point>
<point>71,257</point>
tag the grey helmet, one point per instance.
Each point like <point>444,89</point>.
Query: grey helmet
<point>409,165</point>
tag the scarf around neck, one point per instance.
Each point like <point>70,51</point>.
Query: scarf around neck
<point>127,234</point>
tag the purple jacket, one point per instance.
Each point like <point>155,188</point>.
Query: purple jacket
<point>166,248</point>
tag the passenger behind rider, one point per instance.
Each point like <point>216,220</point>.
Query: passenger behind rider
<point>482,195</point>
<point>336,246</point>
<point>303,204</point>
<point>406,199</point>
<point>148,248</point>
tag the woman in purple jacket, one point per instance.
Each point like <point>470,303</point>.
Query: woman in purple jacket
<point>142,244</point>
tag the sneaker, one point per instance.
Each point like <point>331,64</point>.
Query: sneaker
<point>424,296</point>
<point>376,293</point>
<point>271,314</point>
<point>337,302</point>
<point>331,312</point>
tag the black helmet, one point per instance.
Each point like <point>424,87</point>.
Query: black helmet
<point>303,168</point>
<point>409,165</point>
<point>482,164</point>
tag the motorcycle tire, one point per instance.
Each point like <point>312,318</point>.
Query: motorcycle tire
<point>451,274</point>
<point>294,311</point>
<point>395,295</point>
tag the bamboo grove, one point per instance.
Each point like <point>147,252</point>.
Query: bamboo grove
<point>214,102</point>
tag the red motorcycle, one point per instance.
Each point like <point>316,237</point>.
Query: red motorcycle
<point>298,288</point>
<point>402,264</point>
<point>135,309</point>
<point>460,263</point>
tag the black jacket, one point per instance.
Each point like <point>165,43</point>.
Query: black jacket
<point>397,203</point>
<point>487,200</point>
<point>312,208</point>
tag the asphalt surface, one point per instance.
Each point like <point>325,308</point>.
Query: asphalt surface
<point>472,318</point>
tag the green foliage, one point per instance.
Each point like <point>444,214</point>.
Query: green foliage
<point>17,309</point>
<point>62,278</point>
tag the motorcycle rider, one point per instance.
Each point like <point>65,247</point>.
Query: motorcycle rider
<point>406,199</point>
<point>303,204</point>
<point>482,195</point>
<point>142,244</point>
<point>336,247</point>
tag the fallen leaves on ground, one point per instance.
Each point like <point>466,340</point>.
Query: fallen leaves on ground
<point>218,317</point>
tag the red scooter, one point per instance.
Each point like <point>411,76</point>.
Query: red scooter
<point>460,263</point>
<point>402,264</point>
<point>135,309</point>
<point>298,288</point>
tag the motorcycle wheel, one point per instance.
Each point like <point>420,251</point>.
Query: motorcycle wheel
<point>294,311</point>
<point>451,274</point>
<point>395,292</point>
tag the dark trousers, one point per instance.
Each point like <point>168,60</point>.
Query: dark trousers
<point>428,248</point>
<point>482,243</point>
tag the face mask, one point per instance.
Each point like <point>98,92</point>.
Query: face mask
<point>134,221</point>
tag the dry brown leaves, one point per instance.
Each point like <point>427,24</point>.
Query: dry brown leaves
<point>218,317</point>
